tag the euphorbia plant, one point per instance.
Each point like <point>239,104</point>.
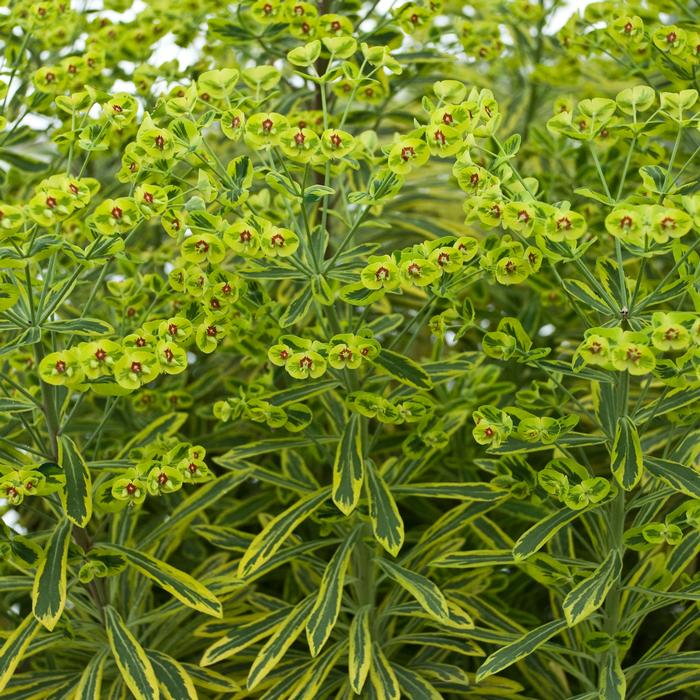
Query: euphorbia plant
<point>355,353</point>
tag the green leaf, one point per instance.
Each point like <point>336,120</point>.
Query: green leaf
<point>678,476</point>
<point>428,595</point>
<point>9,294</point>
<point>278,644</point>
<point>414,686</point>
<point>473,559</point>
<point>519,649</point>
<point>539,534</point>
<point>297,307</point>
<point>174,680</point>
<point>90,685</point>
<point>273,535</point>
<point>626,455</point>
<point>10,406</point>
<point>348,467</point>
<point>330,593</point>
<point>243,636</point>
<point>186,589</point>
<point>587,596</point>
<point>77,495</point>
<point>49,592</point>
<point>14,647</point>
<point>360,650</point>
<point>131,659</point>
<point>462,491</point>
<point>80,326</point>
<point>210,680</point>
<point>386,521</point>
<point>230,459</point>
<point>613,685</point>
<point>403,369</point>
<point>382,676</point>
<point>582,292</point>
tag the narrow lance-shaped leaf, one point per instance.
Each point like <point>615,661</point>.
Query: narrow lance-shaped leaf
<point>49,592</point>
<point>679,476</point>
<point>273,535</point>
<point>90,685</point>
<point>386,521</point>
<point>174,680</point>
<point>381,674</point>
<point>14,647</point>
<point>590,594</point>
<point>519,649</point>
<point>539,534</point>
<point>403,369</point>
<point>131,659</point>
<point>77,495</point>
<point>626,456</point>
<point>348,467</point>
<point>414,685</point>
<point>428,595</point>
<point>243,636</point>
<point>276,646</point>
<point>330,593</point>
<point>613,684</point>
<point>185,588</point>
<point>360,651</point>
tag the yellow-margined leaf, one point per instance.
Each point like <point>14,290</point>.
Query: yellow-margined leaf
<point>539,534</point>
<point>309,684</point>
<point>519,649</point>
<point>613,684</point>
<point>283,637</point>
<point>382,676</point>
<point>163,426</point>
<point>360,652</point>
<point>15,646</point>
<point>76,497</point>
<point>131,659</point>
<point>273,535</point>
<point>589,595</point>
<point>626,455</point>
<point>174,680</point>
<point>325,612</point>
<point>185,588</point>
<point>243,636</point>
<point>348,467</point>
<point>49,592</point>
<point>414,685</point>
<point>386,521</point>
<point>211,680</point>
<point>422,589</point>
<point>90,685</point>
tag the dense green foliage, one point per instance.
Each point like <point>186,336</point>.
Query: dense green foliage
<point>350,351</point>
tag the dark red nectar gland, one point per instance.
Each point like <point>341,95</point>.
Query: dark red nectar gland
<point>306,362</point>
<point>414,270</point>
<point>236,122</point>
<point>245,236</point>
<point>267,125</point>
<point>299,138</point>
<point>564,223</point>
<point>267,8</point>
<point>284,354</point>
<point>488,432</point>
<point>671,37</point>
<point>336,141</point>
<point>12,492</point>
<point>140,342</point>
<point>345,354</point>
<point>162,478</point>
<point>117,108</point>
<point>50,77</point>
<point>169,355</point>
<point>160,142</point>
<point>634,354</point>
<point>668,222</point>
<point>382,273</point>
<point>51,202</point>
<point>523,216</point>
<point>211,331</point>
<point>595,347</point>
<point>407,152</point>
<point>672,334</point>
<point>201,247</point>
<point>117,213</point>
<point>136,367</point>
<point>335,25</point>
<point>226,289</point>
<point>192,468</point>
<point>100,355</point>
<point>148,198</point>
<point>626,222</point>
<point>131,488</point>
<point>443,258</point>
<point>172,329</point>
<point>440,137</point>
<point>277,241</point>
<point>61,367</point>
<point>447,119</point>
<point>511,267</point>
<point>628,28</point>
<point>73,188</point>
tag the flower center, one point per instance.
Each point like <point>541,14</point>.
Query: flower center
<point>267,125</point>
<point>335,25</point>
<point>336,140</point>
<point>382,273</point>
<point>668,222</point>
<point>595,347</point>
<point>447,118</point>
<point>440,136</point>
<point>414,269</point>
<point>172,329</point>
<point>169,354</point>
<point>306,362</point>
<point>672,334</point>
<point>345,354</point>
<point>211,331</point>
<point>523,216</point>
<point>671,37</point>
<point>299,138</point>
<point>131,488</point>
<point>564,223</point>
<point>100,355</point>
<point>245,236</point>
<point>626,222</point>
<point>136,367</point>
<point>488,432</point>
<point>162,478</point>
<point>407,152</point>
<point>201,246</point>
<point>277,240</point>
<point>61,367</point>
<point>73,188</point>
<point>633,354</point>
<point>148,197</point>
<point>116,213</point>
<point>160,142</point>
<point>628,28</point>
<point>443,259</point>
<point>50,202</point>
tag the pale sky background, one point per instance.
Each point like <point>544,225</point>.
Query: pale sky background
<point>166,51</point>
